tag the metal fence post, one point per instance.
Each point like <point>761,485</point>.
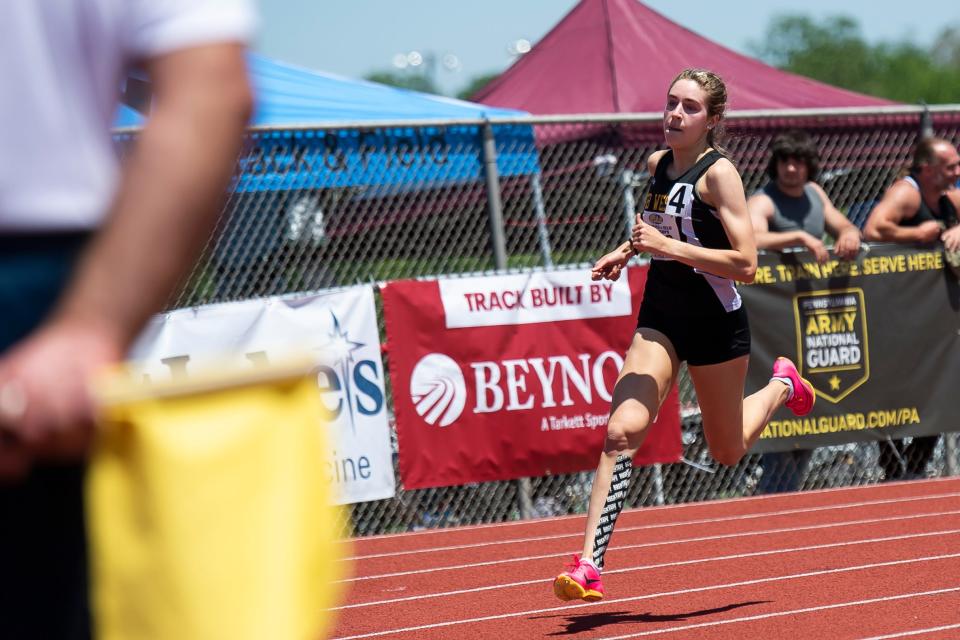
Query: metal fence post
<point>629,202</point>
<point>494,204</point>
<point>658,494</point>
<point>926,122</point>
<point>950,452</point>
<point>539,211</point>
<point>498,241</point>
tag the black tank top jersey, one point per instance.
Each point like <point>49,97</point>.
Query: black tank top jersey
<point>946,213</point>
<point>675,209</point>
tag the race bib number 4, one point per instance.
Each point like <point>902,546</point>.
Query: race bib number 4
<point>676,208</point>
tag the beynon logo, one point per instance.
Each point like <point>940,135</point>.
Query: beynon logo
<point>438,389</point>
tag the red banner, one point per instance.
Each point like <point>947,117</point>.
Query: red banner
<point>503,377</point>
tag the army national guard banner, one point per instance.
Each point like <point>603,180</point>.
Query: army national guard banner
<point>877,337</point>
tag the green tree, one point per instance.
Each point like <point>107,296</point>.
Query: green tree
<point>834,51</point>
<point>405,80</point>
<point>475,84</point>
<point>946,48</point>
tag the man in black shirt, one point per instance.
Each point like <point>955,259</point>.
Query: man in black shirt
<point>919,208</point>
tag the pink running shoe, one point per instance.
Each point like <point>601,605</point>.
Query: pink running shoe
<point>580,582</point>
<point>801,403</point>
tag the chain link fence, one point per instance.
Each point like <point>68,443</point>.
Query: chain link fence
<point>315,208</point>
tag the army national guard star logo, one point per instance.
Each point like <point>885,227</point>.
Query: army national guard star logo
<point>832,341</point>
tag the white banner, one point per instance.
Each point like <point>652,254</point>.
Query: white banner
<point>339,326</point>
<point>548,296</point>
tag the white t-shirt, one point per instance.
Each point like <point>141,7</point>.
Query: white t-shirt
<point>61,67</point>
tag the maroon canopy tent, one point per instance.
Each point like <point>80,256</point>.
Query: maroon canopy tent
<point>618,56</point>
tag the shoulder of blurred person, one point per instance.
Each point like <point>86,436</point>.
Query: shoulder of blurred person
<point>821,192</point>
<point>62,65</point>
<point>899,203</point>
<point>760,204</point>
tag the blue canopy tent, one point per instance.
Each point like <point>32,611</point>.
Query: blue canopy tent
<point>289,95</point>
<point>309,133</point>
<point>292,102</point>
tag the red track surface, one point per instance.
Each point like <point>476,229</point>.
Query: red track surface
<point>870,562</point>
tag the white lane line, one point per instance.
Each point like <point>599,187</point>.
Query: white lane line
<point>664,525</point>
<point>680,592</point>
<point>662,543</point>
<point>914,632</point>
<point>672,507</point>
<point>777,614</point>
<point>663,565</point>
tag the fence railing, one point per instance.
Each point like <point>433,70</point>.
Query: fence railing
<point>324,206</point>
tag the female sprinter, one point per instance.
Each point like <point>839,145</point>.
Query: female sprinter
<point>696,228</point>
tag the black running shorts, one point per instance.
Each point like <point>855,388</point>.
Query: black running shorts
<point>701,339</point>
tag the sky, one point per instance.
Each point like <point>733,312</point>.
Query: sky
<point>355,37</point>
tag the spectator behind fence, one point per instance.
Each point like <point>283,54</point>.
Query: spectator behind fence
<point>792,210</point>
<point>919,208</point>
<point>73,299</point>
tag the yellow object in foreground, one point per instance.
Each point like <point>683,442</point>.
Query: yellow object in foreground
<point>209,510</point>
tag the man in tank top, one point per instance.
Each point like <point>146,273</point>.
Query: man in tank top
<point>919,208</point>
<point>792,210</point>
<point>922,206</point>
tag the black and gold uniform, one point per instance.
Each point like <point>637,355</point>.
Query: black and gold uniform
<point>701,313</point>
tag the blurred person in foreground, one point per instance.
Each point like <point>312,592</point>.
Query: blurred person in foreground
<point>919,208</point>
<point>792,210</point>
<point>89,251</point>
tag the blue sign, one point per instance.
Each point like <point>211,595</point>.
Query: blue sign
<point>409,157</point>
